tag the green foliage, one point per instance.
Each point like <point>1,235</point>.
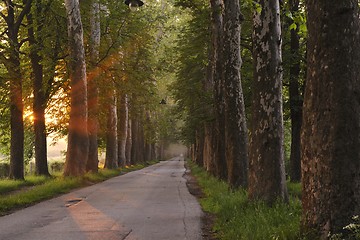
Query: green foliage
<point>193,102</point>
<point>351,231</point>
<point>238,218</point>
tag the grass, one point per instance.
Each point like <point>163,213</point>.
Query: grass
<point>238,218</point>
<point>37,188</point>
<point>7,185</point>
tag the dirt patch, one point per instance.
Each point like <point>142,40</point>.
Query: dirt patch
<point>207,220</point>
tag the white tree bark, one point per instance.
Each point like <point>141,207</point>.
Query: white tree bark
<point>111,160</point>
<point>266,155</point>
<point>92,162</point>
<point>78,144</point>
<point>123,129</point>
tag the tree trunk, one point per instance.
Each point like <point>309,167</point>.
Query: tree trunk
<point>295,100</point>
<point>111,159</point>
<point>154,155</point>
<point>199,147</point>
<point>78,140</point>
<point>122,129</point>
<point>208,151</point>
<point>93,91</point>
<point>137,149</point>
<point>331,118</point>
<point>219,99</point>
<point>148,137</point>
<point>266,169</point>
<point>16,120</point>
<point>12,64</point>
<point>235,118</point>
<point>40,99</point>
<point>128,143</point>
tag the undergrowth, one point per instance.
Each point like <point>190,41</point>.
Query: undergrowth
<point>238,218</point>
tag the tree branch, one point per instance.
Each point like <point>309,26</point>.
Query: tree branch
<point>22,14</point>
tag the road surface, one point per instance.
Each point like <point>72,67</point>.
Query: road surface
<point>149,204</point>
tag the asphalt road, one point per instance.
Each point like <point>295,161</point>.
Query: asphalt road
<point>150,204</point>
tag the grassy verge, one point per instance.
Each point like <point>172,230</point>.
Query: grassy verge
<point>39,188</point>
<point>238,218</point>
<point>7,185</point>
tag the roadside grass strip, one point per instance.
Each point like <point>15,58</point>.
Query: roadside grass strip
<point>7,185</point>
<point>238,218</point>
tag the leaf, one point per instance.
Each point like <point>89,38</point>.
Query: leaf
<point>303,28</point>
<point>293,26</point>
<point>258,8</point>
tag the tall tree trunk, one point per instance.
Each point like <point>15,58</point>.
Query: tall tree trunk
<point>154,155</point>
<point>12,64</point>
<point>128,143</point>
<point>111,159</point>
<point>209,154</point>
<point>208,151</point>
<point>331,118</point>
<point>267,170</point>
<point>148,138</point>
<point>235,119</point>
<point>16,120</point>
<point>199,147</point>
<point>40,99</point>
<point>219,98</point>
<point>78,140</point>
<point>122,129</point>
<point>137,149</point>
<point>141,141</point>
<point>93,123</point>
<point>295,99</point>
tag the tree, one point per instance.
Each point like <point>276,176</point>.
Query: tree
<point>295,86</point>
<point>78,142</point>
<point>111,159</point>
<point>10,57</point>
<point>93,91</point>
<point>331,118</point>
<point>266,168</point>
<point>123,114</point>
<point>235,118</point>
<point>43,73</point>
<point>217,7</point>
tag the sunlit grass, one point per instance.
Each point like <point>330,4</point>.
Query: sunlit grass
<point>50,188</point>
<point>7,185</point>
<point>238,218</point>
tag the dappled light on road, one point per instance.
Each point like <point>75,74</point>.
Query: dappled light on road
<point>95,224</point>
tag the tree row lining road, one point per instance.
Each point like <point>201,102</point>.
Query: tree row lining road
<point>152,203</point>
